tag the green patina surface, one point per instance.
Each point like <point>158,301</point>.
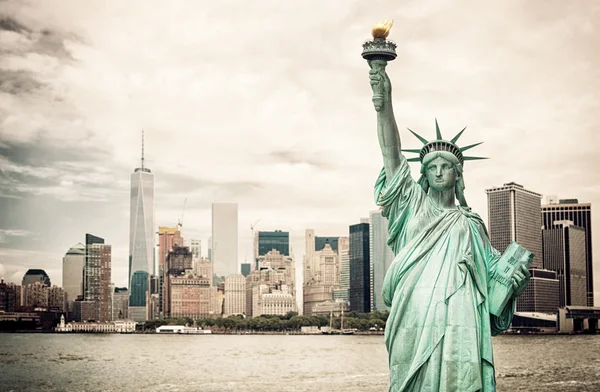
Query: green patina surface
<point>440,328</point>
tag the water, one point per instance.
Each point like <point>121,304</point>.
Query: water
<point>54,362</point>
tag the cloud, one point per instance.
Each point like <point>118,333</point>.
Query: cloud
<point>4,234</point>
<point>270,106</point>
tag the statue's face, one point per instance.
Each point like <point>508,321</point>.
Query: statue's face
<point>441,174</point>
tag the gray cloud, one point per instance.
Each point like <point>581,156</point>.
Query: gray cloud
<point>10,24</point>
<point>18,82</point>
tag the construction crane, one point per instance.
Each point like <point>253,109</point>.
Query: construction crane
<point>180,220</point>
<point>252,226</point>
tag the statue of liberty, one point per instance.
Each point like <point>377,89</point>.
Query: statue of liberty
<point>439,331</point>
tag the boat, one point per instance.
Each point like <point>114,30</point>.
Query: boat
<point>182,330</point>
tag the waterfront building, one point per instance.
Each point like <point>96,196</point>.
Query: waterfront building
<point>225,238</point>
<point>275,276</point>
<point>35,275</point>
<point>141,238</point>
<point>381,257</point>
<point>565,252</point>
<point>120,303</point>
<point>190,296</point>
<point>541,294</point>
<point>98,277</point>
<point>35,295</point>
<point>514,215</point>
<point>72,271</point>
<point>360,268</point>
<point>315,294</point>
<point>56,298</point>
<point>117,326</point>
<point>235,295</point>
<point>10,297</point>
<point>581,216</point>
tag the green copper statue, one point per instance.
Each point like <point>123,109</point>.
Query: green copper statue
<point>440,286</point>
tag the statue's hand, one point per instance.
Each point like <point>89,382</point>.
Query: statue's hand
<point>380,83</point>
<point>520,280</point>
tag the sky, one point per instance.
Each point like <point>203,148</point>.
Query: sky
<point>269,105</point>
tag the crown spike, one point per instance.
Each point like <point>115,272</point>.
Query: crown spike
<point>416,159</point>
<point>438,134</point>
<point>474,158</point>
<point>455,138</point>
<point>421,138</point>
<point>465,148</point>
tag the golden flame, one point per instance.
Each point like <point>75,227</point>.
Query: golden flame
<point>382,29</point>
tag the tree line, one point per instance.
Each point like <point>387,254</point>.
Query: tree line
<point>279,323</point>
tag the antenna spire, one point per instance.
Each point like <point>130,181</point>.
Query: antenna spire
<point>142,149</point>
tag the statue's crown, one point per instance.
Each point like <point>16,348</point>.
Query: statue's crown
<point>440,144</point>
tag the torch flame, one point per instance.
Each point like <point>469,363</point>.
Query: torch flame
<point>382,29</point>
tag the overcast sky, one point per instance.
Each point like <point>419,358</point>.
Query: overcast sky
<point>269,105</point>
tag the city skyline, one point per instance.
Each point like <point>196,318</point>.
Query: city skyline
<point>287,134</point>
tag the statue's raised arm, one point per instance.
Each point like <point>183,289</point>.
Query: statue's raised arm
<point>387,129</point>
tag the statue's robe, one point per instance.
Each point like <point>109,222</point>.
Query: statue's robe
<point>439,331</point>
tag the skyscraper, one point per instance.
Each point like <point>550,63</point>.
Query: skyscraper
<point>141,238</point>
<point>35,275</point>
<point>514,215</point>
<point>321,241</point>
<point>581,215</point>
<point>565,253</point>
<point>381,257</point>
<point>269,240</point>
<point>360,279</point>
<point>97,288</point>
<point>225,238</point>
<point>72,271</point>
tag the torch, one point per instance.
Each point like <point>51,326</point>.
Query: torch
<point>378,52</point>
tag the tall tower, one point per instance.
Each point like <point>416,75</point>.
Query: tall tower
<point>581,215</point>
<point>381,257</point>
<point>98,276</point>
<point>360,268</point>
<point>141,238</point>
<point>514,215</point>
<point>565,253</point>
<point>225,238</point>
<point>73,270</point>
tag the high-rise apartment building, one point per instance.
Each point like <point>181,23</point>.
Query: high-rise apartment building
<point>269,240</point>
<point>581,215</point>
<point>10,296</point>
<point>225,238</point>
<point>514,215</point>
<point>235,295</point>
<point>72,271</point>
<point>141,238</point>
<point>98,277</point>
<point>381,257</point>
<point>360,268</point>
<point>565,252</point>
